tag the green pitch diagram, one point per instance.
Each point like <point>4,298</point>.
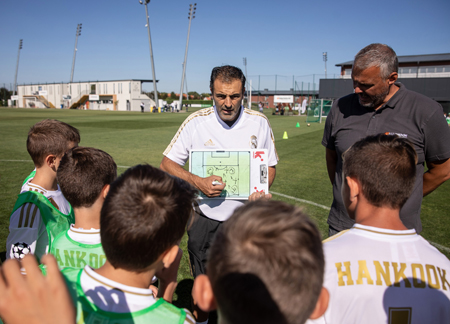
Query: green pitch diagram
<point>232,166</point>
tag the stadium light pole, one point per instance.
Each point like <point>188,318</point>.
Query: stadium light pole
<point>191,16</point>
<point>246,81</point>
<point>325,58</point>
<point>155,91</point>
<point>17,66</point>
<point>75,50</point>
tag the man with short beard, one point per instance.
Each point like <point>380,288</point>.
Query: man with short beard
<point>379,104</point>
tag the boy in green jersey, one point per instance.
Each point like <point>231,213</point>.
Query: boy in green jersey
<point>143,218</point>
<point>41,212</point>
<point>265,265</point>
<point>84,176</point>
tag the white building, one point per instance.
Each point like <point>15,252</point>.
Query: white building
<point>413,66</point>
<point>122,95</point>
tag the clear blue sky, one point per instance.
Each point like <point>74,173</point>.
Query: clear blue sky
<point>284,38</point>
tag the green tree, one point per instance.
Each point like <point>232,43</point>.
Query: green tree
<point>205,94</point>
<point>173,95</point>
<point>163,95</point>
<point>195,94</point>
<point>5,94</point>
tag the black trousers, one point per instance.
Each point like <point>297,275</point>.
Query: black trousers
<point>201,232</point>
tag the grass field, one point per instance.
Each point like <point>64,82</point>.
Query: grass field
<point>133,138</point>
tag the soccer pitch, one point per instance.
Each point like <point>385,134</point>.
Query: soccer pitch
<point>133,138</point>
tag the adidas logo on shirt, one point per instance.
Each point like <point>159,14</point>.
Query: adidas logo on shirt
<point>209,143</point>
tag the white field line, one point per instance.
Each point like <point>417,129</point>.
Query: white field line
<point>440,247</point>
<point>301,200</point>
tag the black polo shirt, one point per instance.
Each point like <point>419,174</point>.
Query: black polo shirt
<point>407,114</point>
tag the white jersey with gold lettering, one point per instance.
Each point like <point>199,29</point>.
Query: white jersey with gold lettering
<point>26,228</point>
<point>378,275</point>
<point>205,130</point>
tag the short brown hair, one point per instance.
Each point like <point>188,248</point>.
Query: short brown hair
<point>144,214</point>
<point>379,55</point>
<point>82,174</point>
<point>50,136</point>
<point>227,74</point>
<point>266,264</point>
<point>385,166</point>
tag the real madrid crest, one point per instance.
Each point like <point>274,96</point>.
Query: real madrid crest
<point>253,142</point>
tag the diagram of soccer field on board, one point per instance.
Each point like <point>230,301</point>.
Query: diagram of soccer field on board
<point>243,171</point>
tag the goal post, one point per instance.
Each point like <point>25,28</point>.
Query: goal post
<point>317,109</point>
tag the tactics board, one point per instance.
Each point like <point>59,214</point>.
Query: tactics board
<point>243,171</point>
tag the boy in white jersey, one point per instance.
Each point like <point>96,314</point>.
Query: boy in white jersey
<point>379,271</point>
<point>84,176</point>
<point>143,218</point>
<point>41,212</point>
<point>265,266</point>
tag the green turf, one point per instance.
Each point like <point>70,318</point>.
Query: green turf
<point>132,138</point>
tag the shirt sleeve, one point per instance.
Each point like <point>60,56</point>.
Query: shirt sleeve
<point>189,317</point>
<point>437,137</point>
<point>179,147</point>
<point>23,231</point>
<point>270,146</point>
<point>328,140</point>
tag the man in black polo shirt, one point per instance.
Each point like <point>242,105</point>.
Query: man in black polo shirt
<point>380,105</point>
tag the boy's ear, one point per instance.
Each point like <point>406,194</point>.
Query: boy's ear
<point>105,191</point>
<point>321,305</point>
<point>202,293</point>
<point>50,160</point>
<point>354,187</point>
<point>170,255</point>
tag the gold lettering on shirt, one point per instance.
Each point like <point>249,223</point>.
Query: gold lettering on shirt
<point>416,282</point>
<point>443,279</point>
<point>435,285</point>
<point>422,275</point>
<point>400,274</point>
<point>380,273</point>
<point>346,273</point>
<point>363,272</point>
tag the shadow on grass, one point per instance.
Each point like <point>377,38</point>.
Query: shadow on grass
<point>183,292</point>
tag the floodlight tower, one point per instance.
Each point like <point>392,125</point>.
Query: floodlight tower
<point>191,16</point>
<point>17,67</point>
<point>246,81</point>
<point>75,50</point>
<point>325,59</point>
<point>155,91</point>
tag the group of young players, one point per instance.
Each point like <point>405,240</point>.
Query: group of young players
<point>112,238</point>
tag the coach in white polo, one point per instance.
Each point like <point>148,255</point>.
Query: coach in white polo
<point>227,125</point>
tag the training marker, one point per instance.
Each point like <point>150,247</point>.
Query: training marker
<point>298,124</point>
<point>285,135</point>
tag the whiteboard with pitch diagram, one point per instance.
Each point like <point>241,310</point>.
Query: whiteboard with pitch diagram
<point>243,171</point>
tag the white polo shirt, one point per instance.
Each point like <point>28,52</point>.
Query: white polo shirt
<point>377,275</point>
<point>205,130</point>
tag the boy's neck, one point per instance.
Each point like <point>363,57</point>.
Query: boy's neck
<point>45,177</point>
<point>124,277</point>
<point>381,217</point>
<point>88,217</point>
